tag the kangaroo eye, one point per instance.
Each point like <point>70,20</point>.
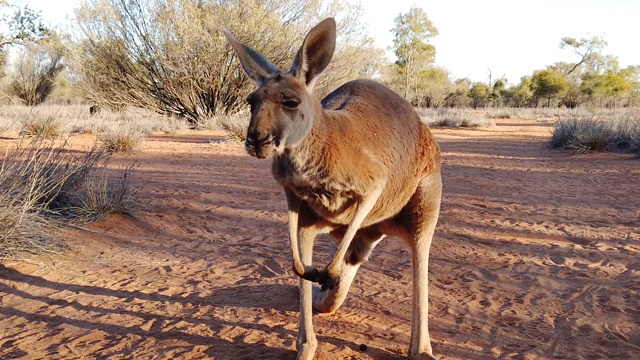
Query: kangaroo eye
<point>291,104</point>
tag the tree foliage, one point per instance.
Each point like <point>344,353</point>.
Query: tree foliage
<point>479,94</point>
<point>596,78</point>
<point>435,89</point>
<point>549,83</point>
<point>610,89</point>
<point>412,32</point>
<point>587,49</point>
<point>498,91</point>
<point>18,25</point>
<point>22,24</point>
<point>519,95</point>
<point>170,56</point>
<point>38,61</point>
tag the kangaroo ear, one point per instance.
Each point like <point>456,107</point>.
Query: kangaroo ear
<point>255,65</point>
<point>315,53</point>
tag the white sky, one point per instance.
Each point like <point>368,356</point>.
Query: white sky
<point>514,37</point>
<point>510,37</point>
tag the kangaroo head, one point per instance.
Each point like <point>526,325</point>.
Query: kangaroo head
<point>283,107</point>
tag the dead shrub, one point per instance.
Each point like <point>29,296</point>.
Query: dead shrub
<point>32,180</point>
<point>36,70</point>
<point>171,57</point>
<point>120,140</point>
<point>47,127</point>
<point>621,134</point>
<point>460,118</point>
<point>103,193</point>
<point>42,185</point>
<point>235,125</point>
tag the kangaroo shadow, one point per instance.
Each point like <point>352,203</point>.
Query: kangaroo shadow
<point>280,297</point>
<point>274,297</point>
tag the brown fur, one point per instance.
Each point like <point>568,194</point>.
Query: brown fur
<point>356,142</point>
<point>359,165</point>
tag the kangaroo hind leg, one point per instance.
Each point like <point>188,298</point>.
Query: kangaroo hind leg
<point>423,209</point>
<point>328,301</point>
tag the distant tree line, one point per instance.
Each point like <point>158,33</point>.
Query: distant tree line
<point>594,80</point>
<point>169,56</point>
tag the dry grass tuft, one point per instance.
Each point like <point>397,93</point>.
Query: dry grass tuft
<point>538,113</point>
<point>103,193</point>
<point>41,185</point>
<point>121,139</point>
<point>456,118</point>
<point>76,119</point>
<point>582,136</point>
<point>235,125</point>
<point>48,127</point>
<point>32,179</point>
<point>621,134</point>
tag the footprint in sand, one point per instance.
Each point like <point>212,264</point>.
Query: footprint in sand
<point>269,268</point>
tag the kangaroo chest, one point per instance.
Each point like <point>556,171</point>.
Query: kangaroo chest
<point>326,196</point>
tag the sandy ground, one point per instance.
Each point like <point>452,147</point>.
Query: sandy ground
<point>536,256</point>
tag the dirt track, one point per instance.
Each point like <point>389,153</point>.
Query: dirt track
<point>536,256</point>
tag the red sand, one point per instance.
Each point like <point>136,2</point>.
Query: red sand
<point>536,256</point>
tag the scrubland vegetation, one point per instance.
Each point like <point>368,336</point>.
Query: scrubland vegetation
<point>452,117</point>
<point>620,133</point>
<point>42,184</point>
<point>179,73</point>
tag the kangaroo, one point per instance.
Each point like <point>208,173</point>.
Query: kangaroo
<point>359,165</point>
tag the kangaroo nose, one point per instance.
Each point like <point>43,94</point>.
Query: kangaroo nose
<point>248,141</point>
<point>256,138</point>
<point>252,135</point>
